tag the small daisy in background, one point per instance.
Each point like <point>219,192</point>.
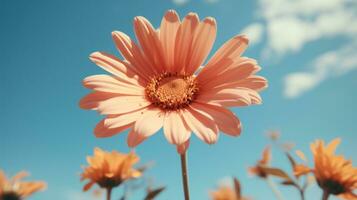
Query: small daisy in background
<point>226,192</point>
<point>109,170</point>
<point>17,189</point>
<point>334,174</point>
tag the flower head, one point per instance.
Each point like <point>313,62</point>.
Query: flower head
<point>334,173</point>
<point>225,192</point>
<point>109,169</point>
<point>162,83</point>
<point>258,169</point>
<point>16,189</point>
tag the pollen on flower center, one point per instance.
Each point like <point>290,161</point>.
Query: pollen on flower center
<point>172,91</point>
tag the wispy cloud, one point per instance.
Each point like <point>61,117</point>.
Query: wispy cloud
<point>331,64</point>
<point>254,32</point>
<point>289,25</point>
<point>292,24</point>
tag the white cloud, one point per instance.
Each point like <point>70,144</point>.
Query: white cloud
<point>298,83</point>
<point>254,32</point>
<point>328,65</point>
<point>291,24</point>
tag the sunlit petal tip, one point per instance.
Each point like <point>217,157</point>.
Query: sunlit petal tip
<point>140,20</point>
<point>120,37</point>
<point>117,34</point>
<point>243,38</point>
<point>210,20</point>
<point>94,54</point>
<point>171,15</point>
<point>212,140</point>
<point>102,131</point>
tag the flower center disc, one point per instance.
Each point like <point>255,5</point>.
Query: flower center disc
<point>172,91</point>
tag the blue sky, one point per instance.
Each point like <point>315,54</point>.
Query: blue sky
<point>307,50</point>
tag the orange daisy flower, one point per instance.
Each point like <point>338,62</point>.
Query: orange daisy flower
<point>228,193</point>
<point>16,189</point>
<point>334,174</point>
<point>109,169</point>
<point>224,193</point>
<point>258,170</point>
<point>161,82</point>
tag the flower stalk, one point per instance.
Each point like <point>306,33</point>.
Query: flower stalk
<point>325,195</point>
<point>185,176</point>
<point>275,190</point>
<point>302,194</point>
<point>109,193</point>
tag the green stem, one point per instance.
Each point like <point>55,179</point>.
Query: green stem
<point>185,176</point>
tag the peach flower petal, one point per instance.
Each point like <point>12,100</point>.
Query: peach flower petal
<point>226,121</point>
<point>231,97</point>
<point>116,67</point>
<point>236,72</point>
<point>148,124</point>
<point>175,129</point>
<point>184,40</point>
<point>202,43</point>
<point>101,130</point>
<point>149,42</point>
<point>106,83</point>
<point>134,138</point>
<point>132,52</point>
<point>254,82</point>
<point>168,30</point>
<point>226,56</point>
<point>230,50</point>
<point>203,127</point>
<point>91,101</point>
<point>122,104</point>
<point>124,119</point>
